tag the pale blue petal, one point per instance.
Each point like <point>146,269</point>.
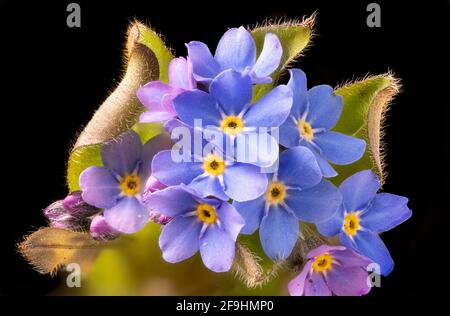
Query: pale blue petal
<point>99,187</point>
<point>333,226</point>
<point>236,50</point>
<point>128,216</point>
<point>217,249</point>
<point>196,104</point>
<point>339,148</point>
<point>316,204</point>
<point>172,201</point>
<point>385,212</point>
<point>232,90</point>
<point>278,233</point>
<point>324,107</point>
<point>179,238</point>
<point>297,83</point>
<point>123,153</point>
<point>252,212</point>
<point>289,133</point>
<point>298,168</point>
<point>204,65</point>
<point>269,59</point>
<point>271,110</point>
<point>244,182</point>
<point>359,190</point>
<point>170,172</point>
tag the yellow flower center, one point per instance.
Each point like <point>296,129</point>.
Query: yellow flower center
<point>322,263</point>
<point>130,185</point>
<point>351,224</point>
<point>206,213</point>
<point>305,130</point>
<point>232,125</point>
<point>214,165</point>
<point>276,192</point>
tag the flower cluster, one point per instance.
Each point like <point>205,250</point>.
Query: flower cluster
<point>244,164</point>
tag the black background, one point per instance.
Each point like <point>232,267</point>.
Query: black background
<point>53,78</point>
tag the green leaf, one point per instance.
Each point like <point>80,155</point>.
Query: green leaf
<point>365,105</point>
<point>154,41</point>
<point>147,60</point>
<point>294,37</point>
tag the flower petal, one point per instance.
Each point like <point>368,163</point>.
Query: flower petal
<point>230,219</point>
<point>316,286</point>
<point>260,149</point>
<point>155,117</point>
<point>252,212</point>
<point>179,238</point>
<point>348,281</point>
<point>312,254</point>
<point>172,201</point>
<point>271,110</point>
<point>236,50</point>
<point>385,212</point>
<point>152,93</point>
<point>196,104</point>
<point>232,90</point>
<point>369,244</point>
<point>204,65</point>
<point>327,170</point>
<point>297,83</point>
<point>269,59</point>
<point>171,172</point>
<point>350,258</point>
<point>339,148</point>
<point>333,226</point>
<point>180,74</point>
<point>207,186</point>
<point>359,190</point>
<point>316,204</point>
<point>298,168</point>
<point>149,150</point>
<point>217,249</point>
<point>278,233</point>
<point>237,178</point>
<point>289,134</point>
<point>296,286</point>
<point>324,107</point>
<point>99,187</point>
<point>128,216</point>
<point>123,154</point>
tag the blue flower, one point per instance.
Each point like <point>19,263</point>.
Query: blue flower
<point>295,192</point>
<point>236,50</point>
<point>208,172</point>
<point>314,113</point>
<point>364,214</point>
<point>227,110</point>
<point>208,224</point>
<point>117,186</point>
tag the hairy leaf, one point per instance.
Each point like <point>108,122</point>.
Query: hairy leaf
<point>146,59</point>
<point>49,249</point>
<point>365,105</point>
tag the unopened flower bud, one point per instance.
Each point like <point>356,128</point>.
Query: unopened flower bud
<point>100,230</point>
<point>151,186</point>
<point>71,213</point>
<point>76,206</point>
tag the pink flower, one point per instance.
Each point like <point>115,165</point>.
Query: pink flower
<point>332,270</point>
<point>157,96</point>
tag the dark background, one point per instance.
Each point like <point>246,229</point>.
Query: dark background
<point>54,77</point>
